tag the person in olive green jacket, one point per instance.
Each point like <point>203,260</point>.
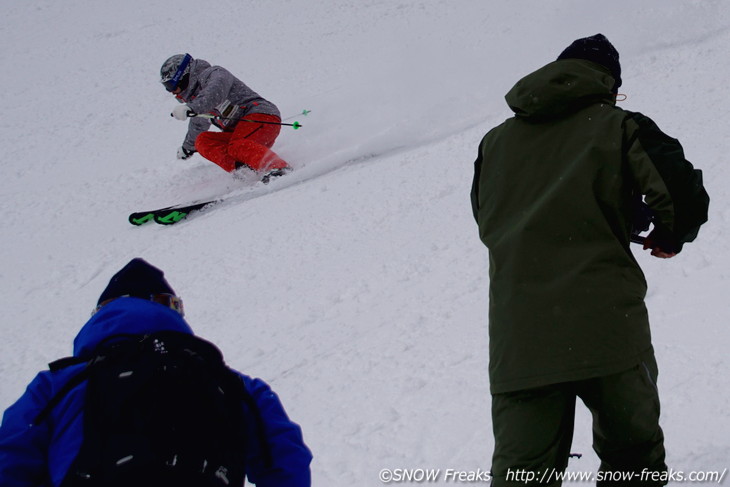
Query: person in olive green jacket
<point>555,193</point>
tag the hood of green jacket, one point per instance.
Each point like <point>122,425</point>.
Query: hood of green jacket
<point>560,88</point>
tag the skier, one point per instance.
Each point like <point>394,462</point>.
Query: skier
<point>553,194</point>
<point>242,146</point>
<point>137,301</point>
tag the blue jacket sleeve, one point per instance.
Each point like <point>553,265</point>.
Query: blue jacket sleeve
<point>40,455</point>
<point>290,457</point>
<point>24,448</point>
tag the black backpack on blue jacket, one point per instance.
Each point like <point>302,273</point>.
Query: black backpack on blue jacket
<point>160,410</point>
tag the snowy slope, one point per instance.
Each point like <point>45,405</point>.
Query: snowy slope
<point>357,285</point>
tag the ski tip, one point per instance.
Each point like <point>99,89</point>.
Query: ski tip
<point>138,219</point>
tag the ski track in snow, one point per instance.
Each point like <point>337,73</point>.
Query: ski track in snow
<point>357,285</point>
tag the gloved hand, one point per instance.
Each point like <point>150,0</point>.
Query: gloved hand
<point>183,153</point>
<point>662,243</point>
<point>182,112</point>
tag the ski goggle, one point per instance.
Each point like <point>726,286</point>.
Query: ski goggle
<point>171,83</point>
<point>169,300</point>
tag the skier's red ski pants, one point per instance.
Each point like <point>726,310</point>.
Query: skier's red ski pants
<point>249,143</point>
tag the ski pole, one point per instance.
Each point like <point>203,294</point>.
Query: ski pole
<point>294,125</point>
<point>305,112</point>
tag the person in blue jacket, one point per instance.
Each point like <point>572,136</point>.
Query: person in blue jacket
<point>137,301</point>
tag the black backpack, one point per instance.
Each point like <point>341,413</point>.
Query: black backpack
<point>160,410</point>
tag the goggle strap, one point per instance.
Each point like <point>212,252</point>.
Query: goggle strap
<point>172,83</point>
<point>169,300</point>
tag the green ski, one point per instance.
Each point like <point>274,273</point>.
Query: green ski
<point>169,215</point>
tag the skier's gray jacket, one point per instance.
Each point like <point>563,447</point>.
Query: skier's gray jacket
<point>214,90</point>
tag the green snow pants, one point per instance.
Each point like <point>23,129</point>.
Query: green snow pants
<point>533,430</point>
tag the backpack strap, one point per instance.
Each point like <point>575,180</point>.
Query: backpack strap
<point>62,363</point>
<point>73,382</point>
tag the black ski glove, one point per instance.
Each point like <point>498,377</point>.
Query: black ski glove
<point>183,153</point>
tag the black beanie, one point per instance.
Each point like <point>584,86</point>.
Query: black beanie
<point>599,50</point>
<point>138,279</point>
